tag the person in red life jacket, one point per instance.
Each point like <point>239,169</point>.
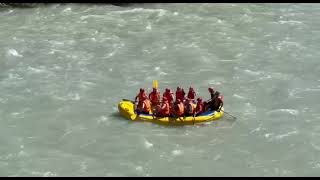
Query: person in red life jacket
<point>179,108</point>
<point>191,94</point>
<point>154,97</point>
<point>200,106</point>
<point>142,94</point>
<point>164,109</point>
<point>144,105</point>
<point>180,94</point>
<point>189,109</point>
<point>169,95</point>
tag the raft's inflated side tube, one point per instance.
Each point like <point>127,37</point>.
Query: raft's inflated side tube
<point>126,109</point>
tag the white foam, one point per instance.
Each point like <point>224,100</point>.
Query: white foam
<point>22,154</point>
<point>160,12</point>
<point>139,168</point>
<point>290,111</point>
<point>175,13</point>
<point>217,157</point>
<point>255,130</point>
<point>290,22</point>
<point>13,52</point>
<point>67,9</point>
<point>56,42</point>
<point>286,135</point>
<point>161,73</point>
<point>35,70</point>
<point>148,27</point>
<point>83,166</point>
<point>268,135</point>
<point>238,96</point>
<point>176,152</point>
<point>46,174</point>
<point>147,144</point>
<point>74,96</point>
<point>252,72</point>
<point>315,146</point>
<point>157,68</point>
<point>102,119</point>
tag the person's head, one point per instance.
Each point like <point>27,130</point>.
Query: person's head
<point>167,90</point>
<point>190,88</point>
<point>199,99</point>
<point>154,89</point>
<point>141,90</point>
<point>211,90</point>
<point>178,88</point>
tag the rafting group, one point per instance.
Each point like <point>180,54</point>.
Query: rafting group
<point>177,106</point>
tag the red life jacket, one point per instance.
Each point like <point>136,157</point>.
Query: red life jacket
<point>154,97</point>
<point>141,96</point>
<point>169,96</point>
<point>191,95</point>
<point>189,108</point>
<point>180,95</point>
<point>147,105</point>
<point>165,109</point>
<point>199,107</point>
<point>179,108</point>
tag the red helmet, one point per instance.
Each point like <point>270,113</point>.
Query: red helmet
<point>210,89</point>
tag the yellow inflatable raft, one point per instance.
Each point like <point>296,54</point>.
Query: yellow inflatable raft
<point>126,109</point>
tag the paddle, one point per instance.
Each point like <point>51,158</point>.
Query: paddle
<point>155,84</point>
<point>228,114</point>
<point>194,119</point>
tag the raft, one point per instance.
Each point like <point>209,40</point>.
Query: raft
<point>126,109</point>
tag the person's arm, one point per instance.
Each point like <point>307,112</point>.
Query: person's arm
<point>143,107</point>
<point>221,104</point>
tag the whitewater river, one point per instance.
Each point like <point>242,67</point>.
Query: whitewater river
<point>64,68</point>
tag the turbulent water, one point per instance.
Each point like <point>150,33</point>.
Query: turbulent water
<point>64,68</point>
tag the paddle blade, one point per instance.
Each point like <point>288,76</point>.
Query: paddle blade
<point>155,84</point>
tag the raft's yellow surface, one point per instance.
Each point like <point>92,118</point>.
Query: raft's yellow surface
<point>126,109</point>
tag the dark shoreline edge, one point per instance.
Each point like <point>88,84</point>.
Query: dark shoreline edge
<point>31,5</point>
